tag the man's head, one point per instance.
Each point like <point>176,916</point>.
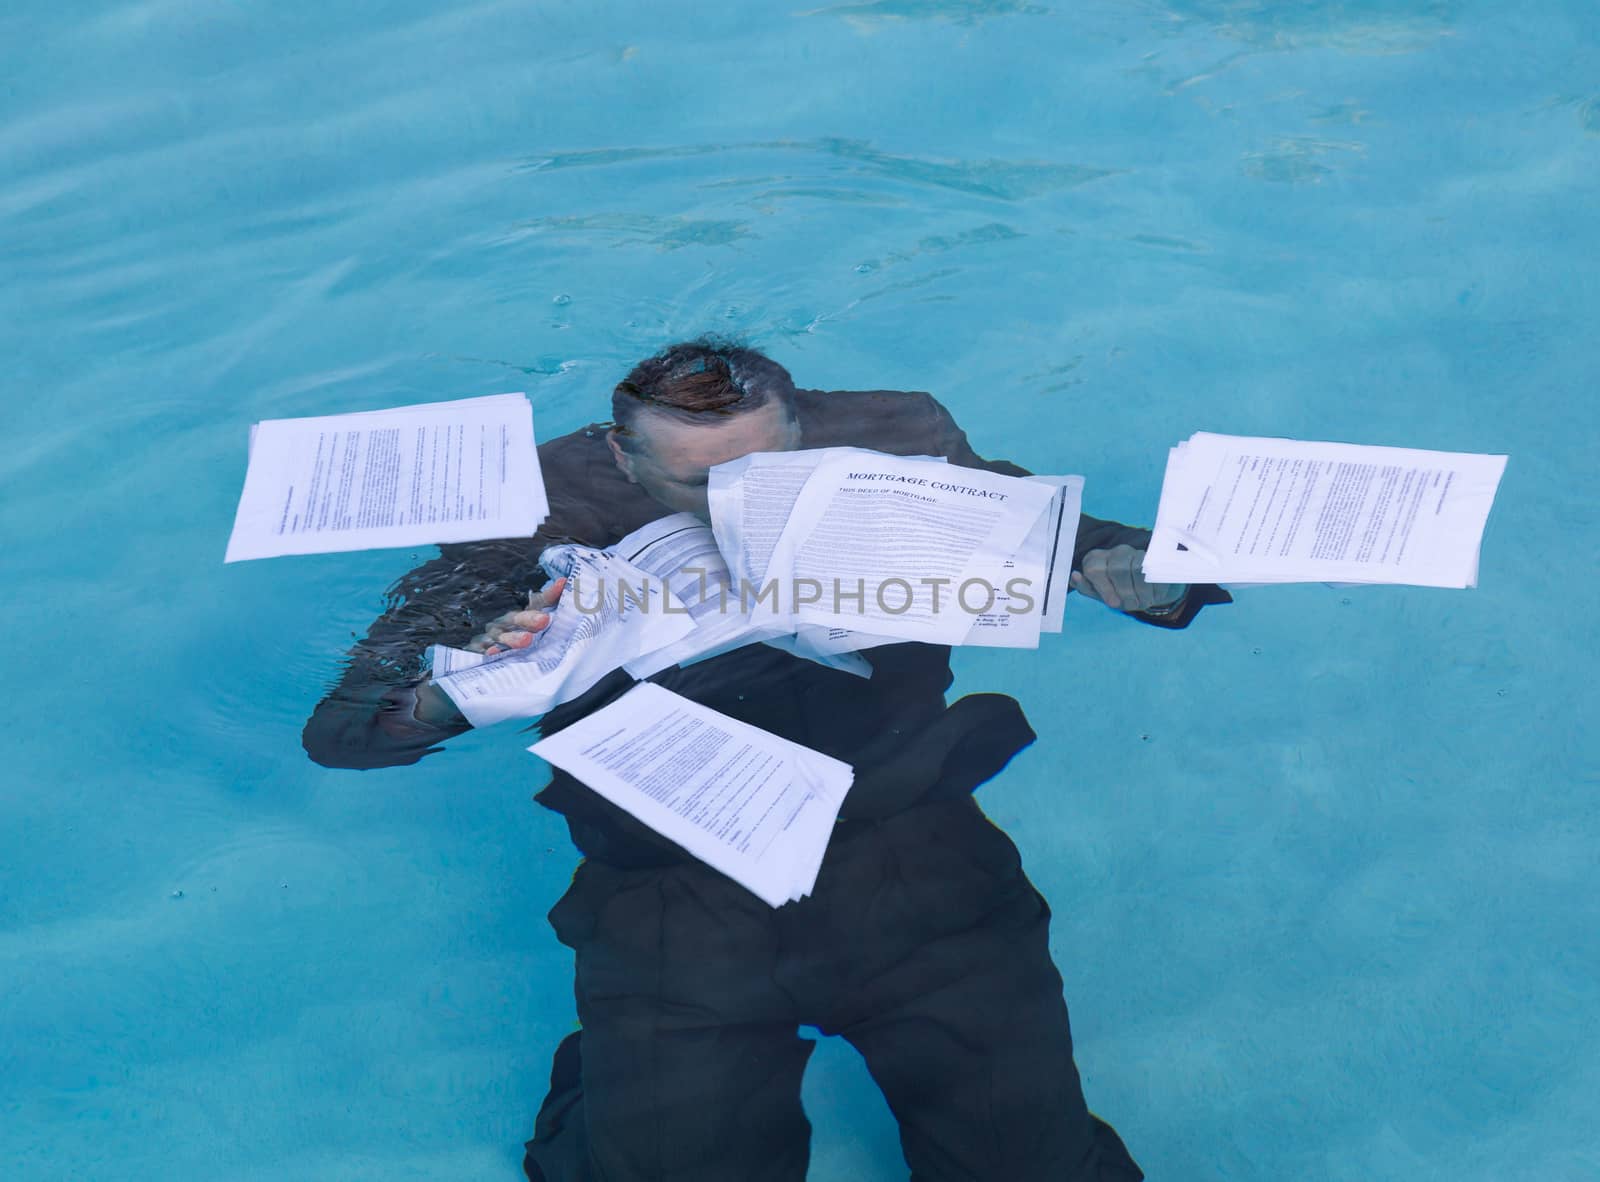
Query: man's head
<point>695,405</point>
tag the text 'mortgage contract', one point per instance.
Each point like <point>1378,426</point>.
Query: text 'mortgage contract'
<point>456,471</point>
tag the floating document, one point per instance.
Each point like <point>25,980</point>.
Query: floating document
<point>1241,509</point>
<point>1031,592</point>
<point>437,472</point>
<point>902,548</point>
<point>755,499</point>
<point>610,613</point>
<point>756,807</point>
<point>751,501</point>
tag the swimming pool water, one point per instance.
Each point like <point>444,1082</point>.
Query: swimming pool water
<point>1323,866</point>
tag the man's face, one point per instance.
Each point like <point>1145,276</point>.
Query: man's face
<point>671,458</point>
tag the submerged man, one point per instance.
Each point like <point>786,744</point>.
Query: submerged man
<point>922,943</point>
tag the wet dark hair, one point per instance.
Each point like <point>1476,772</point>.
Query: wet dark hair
<point>698,381</point>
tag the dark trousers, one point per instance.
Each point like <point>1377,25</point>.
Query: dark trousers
<point>924,945</point>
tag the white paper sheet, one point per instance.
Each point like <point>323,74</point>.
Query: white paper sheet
<point>1238,509</point>
<point>754,806</point>
<point>437,472</point>
<point>894,547</point>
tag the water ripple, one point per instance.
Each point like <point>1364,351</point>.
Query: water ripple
<point>1357,26</point>
<point>960,12</point>
<point>942,243</point>
<point>1169,242</point>
<point>1007,180</point>
<point>621,229</point>
<point>1296,160</point>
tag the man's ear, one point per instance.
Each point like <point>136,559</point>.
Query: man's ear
<point>623,460</point>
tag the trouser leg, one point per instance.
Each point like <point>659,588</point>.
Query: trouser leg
<point>719,1106</point>
<point>688,1068</point>
<point>967,1033</point>
<point>559,1151</point>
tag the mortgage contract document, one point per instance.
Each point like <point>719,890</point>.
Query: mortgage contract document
<point>754,806</point>
<point>751,500</point>
<point>1249,510</point>
<point>438,472</point>
<point>850,539</point>
<point>903,548</point>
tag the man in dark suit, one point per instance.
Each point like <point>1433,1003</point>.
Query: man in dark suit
<point>923,943</point>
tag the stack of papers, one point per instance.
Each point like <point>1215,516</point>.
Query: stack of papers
<point>859,548</point>
<point>437,472</point>
<point>756,807</point>
<point>1239,509</point>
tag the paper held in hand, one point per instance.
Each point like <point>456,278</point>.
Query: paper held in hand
<point>859,548</point>
<point>1240,509</point>
<point>456,471</point>
<point>611,612</point>
<point>756,807</point>
<point>658,597</point>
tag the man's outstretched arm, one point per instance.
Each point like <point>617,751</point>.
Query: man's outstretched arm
<point>385,711</point>
<point>370,717</point>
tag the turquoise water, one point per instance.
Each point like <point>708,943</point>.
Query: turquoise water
<point>1324,866</point>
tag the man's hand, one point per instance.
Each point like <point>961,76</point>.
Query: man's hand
<point>1116,578</point>
<point>516,629</point>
